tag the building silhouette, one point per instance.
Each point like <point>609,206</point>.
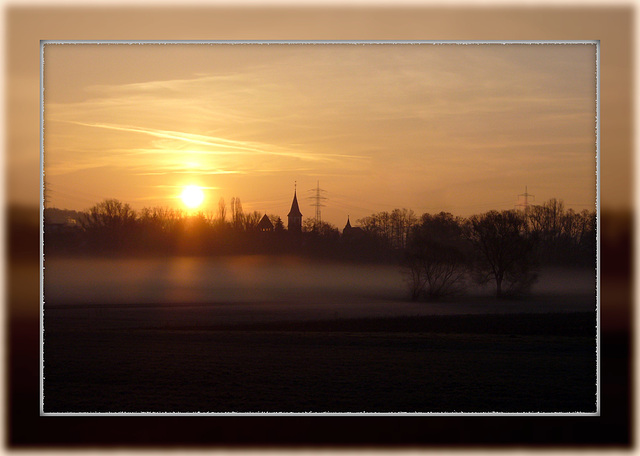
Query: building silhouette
<point>347,227</point>
<point>350,232</point>
<point>294,216</point>
<point>265,224</point>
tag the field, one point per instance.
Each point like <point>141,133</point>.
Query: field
<point>259,335</point>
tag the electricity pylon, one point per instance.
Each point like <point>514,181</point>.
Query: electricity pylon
<point>525,205</point>
<point>318,198</point>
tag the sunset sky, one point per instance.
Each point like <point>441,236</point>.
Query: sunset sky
<point>430,127</point>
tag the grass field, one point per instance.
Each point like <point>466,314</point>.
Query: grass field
<point>479,363</point>
<point>354,345</point>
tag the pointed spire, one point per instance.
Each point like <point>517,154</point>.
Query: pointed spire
<point>348,225</point>
<point>295,216</point>
<point>295,209</point>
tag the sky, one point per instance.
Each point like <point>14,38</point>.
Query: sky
<point>463,128</point>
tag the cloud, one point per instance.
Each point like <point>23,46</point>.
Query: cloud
<point>182,186</point>
<point>230,146</point>
<point>192,172</point>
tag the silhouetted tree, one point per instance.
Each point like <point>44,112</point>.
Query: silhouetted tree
<point>392,228</point>
<point>436,257</point>
<point>156,227</point>
<point>547,221</point>
<point>278,224</point>
<point>109,223</point>
<point>377,226</point>
<point>561,233</point>
<point>586,234</point>
<point>402,220</point>
<point>158,218</point>
<point>251,220</point>
<point>504,251</point>
<point>237,214</point>
<point>222,211</point>
<point>323,229</point>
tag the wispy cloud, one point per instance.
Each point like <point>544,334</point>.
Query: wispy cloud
<point>182,186</point>
<point>232,146</point>
<point>187,171</point>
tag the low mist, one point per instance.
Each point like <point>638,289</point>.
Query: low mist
<point>235,289</point>
<point>214,280</point>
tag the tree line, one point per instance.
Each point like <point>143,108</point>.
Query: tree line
<point>112,227</point>
<point>504,248</point>
<point>440,253</point>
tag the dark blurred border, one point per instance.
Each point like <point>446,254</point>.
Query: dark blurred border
<point>26,26</point>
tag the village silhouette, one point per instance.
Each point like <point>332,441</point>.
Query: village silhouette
<point>440,253</point>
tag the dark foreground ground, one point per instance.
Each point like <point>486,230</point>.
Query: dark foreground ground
<point>262,334</point>
<point>544,362</point>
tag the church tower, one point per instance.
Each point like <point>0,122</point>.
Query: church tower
<point>347,227</point>
<point>294,216</point>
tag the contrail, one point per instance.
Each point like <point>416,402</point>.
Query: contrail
<point>237,147</point>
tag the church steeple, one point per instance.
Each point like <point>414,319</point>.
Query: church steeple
<point>294,215</point>
<point>348,225</point>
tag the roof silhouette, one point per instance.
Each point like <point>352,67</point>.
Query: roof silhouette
<point>265,224</point>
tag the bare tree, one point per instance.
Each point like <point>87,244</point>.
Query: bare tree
<point>109,222</point>
<point>402,220</point>
<point>251,220</point>
<point>109,214</point>
<point>322,228</point>
<point>436,257</point>
<point>561,232</point>
<point>505,251</point>
<point>155,220</point>
<point>390,227</point>
<point>222,210</point>
<point>237,214</point>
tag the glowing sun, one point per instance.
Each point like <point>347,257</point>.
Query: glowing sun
<point>192,196</point>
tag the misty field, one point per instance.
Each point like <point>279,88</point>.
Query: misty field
<point>254,334</point>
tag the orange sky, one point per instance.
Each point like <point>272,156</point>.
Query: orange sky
<point>431,127</point>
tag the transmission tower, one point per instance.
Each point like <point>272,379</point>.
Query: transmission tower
<point>318,198</point>
<point>525,205</point>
